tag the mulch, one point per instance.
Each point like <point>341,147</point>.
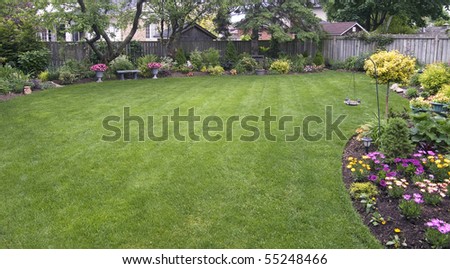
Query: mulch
<point>413,231</point>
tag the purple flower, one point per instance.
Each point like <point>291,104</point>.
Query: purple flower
<point>407,197</point>
<point>386,169</point>
<point>377,161</point>
<point>383,183</point>
<point>431,177</point>
<point>373,177</point>
<point>417,155</point>
<point>431,153</point>
<point>397,160</point>
<point>391,174</point>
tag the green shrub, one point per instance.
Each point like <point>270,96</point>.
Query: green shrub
<point>410,209</point>
<point>216,70</point>
<point>142,65</point>
<point>414,80</point>
<point>281,66</point>
<point>67,77</point>
<point>79,69</point>
<point>392,66</point>
<point>33,62</point>
<point>298,63</point>
<point>434,77</point>
<point>355,63</point>
<point>44,76</point>
<point>395,141</point>
<point>318,59</point>
<point>231,56</point>
<point>338,65</point>
<point>412,93</point>
<point>367,188</point>
<point>180,57</point>
<point>13,79</point>
<point>432,198</point>
<point>196,60</point>
<point>246,65</point>
<point>211,57</point>
<point>120,63</point>
<point>5,87</point>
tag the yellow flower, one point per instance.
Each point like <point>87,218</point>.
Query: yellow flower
<point>361,171</point>
<point>360,162</point>
<point>438,161</point>
<point>383,222</point>
<point>353,170</point>
<point>397,230</point>
<point>365,157</point>
<point>350,158</point>
<point>439,165</point>
<point>349,166</point>
<point>432,160</point>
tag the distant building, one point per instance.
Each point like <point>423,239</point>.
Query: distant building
<point>192,33</point>
<point>342,28</point>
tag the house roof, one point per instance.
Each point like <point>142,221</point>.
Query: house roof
<point>340,28</point>
<point>166,33</point>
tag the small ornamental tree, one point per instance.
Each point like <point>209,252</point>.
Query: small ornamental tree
<point>391,66</point>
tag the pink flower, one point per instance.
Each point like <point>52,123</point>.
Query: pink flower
<point>154,65</point>
<point>99,68</point>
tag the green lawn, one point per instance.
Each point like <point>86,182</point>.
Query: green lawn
<point>63,187</point>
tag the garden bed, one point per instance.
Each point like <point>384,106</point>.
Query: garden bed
<point>412,232</point>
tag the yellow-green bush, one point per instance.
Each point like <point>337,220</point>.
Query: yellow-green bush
<point>367,188</point>
<point>43,76</point>
<point>281,66</point>
<point>391,66</point>
<point>445,90</point>
<point>216,70</point>
<point>434,76</point>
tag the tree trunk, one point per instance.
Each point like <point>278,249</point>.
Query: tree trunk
<point>254,42</point>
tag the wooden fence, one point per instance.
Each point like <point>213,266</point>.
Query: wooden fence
<point>425,49</point>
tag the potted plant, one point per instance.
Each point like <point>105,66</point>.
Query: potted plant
<point>419,104</point>
<point>154,66</point>
<point>260,69</point>
<point>99,69</point>
<point>439,101</point>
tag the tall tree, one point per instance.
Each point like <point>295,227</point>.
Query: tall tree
<point>284,19</point>
<point>372,14</point>
<point>177,15</point>
<point>18,29</point>
<point>95,17</point>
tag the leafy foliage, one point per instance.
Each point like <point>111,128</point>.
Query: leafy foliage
<point>142,64</point>
<point>373,14</point>
<point>281,66</point>
<point>121,63</point>
<point>231,56</point>
<point>298,63</point>
<point>33,62</point>
<point>180,57</point>
<point>434,77</point>
<point>318,59</point>
<point>359,188</point>
<point>12,79</point>
<point>431,130</point>
<point>216,70</point>
<point>246,65</point>
<point>391,66</point>
<point>395,141</point>
<point>211,57</point>
<point>196,59</point>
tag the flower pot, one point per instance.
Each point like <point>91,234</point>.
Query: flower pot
<point>417,109</point>
<point>437,107</point>
<point>260,72</point>
<point>155,72</point>
<point>99,75</point>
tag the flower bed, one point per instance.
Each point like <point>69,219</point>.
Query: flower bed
<point>411,207</point>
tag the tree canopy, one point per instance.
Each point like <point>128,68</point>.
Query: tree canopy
<point>372,14</point>
<point>283,19</point>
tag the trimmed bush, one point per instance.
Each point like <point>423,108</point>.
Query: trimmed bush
<point>412,93</point>
<point>12,79</point>
<point>281,66</point>
<point>44,76</point>
<point>318,59</point>
<point>180,57</point>
<point>434,76</point>
<point>395,141</point>
<point>231,56</point>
